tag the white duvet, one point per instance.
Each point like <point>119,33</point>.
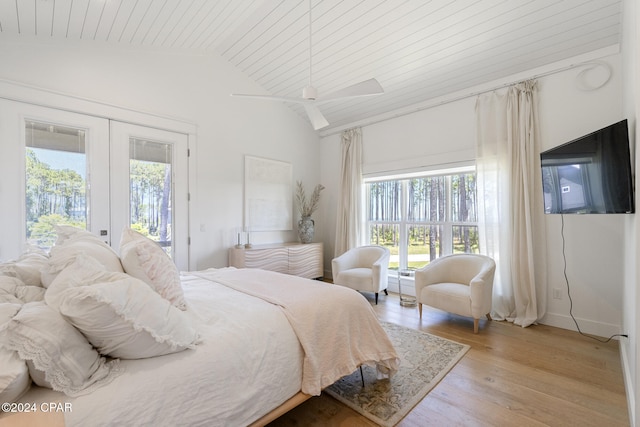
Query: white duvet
<point>220,383</point>
<point>336,326</point>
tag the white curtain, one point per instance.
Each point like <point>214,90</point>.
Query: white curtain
<point>348,223</point>
<point>510,200</point>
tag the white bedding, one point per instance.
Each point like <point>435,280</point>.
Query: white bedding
<point>264,337</point>
<point>201,387</point>
<point>336,326</point>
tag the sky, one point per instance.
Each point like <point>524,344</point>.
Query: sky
<point>58,160</point>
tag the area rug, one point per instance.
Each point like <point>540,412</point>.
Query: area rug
<point>424,360</point>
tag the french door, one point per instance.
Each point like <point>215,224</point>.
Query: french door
<point>150,167</point>
<point>90,172</point>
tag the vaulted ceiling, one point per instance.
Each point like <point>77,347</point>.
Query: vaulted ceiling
<point>418,50</point>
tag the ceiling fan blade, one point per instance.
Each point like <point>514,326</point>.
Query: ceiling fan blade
<point>270,98</point>
<point>317,119</point>
<point>365,88</point>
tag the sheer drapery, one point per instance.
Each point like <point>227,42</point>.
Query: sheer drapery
<point>510,200</point>
<point>349,221</point>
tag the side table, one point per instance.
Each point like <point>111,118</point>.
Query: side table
<point>405,300</point>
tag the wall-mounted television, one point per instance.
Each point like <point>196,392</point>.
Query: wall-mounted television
<point>590,175</point>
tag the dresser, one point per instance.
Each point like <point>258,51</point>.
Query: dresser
<point>304,260</point>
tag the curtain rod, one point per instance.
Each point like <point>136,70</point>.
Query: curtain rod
<point>593,58</point>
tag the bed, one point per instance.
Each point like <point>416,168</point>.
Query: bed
<point>258,344</point>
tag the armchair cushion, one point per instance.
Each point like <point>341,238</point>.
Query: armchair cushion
<point>358,278</point>
<point>363,268</point>
<point>461,284</point>
<point>450,297</point>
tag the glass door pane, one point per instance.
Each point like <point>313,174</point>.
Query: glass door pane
<point>150,195</point>
<point>56,185</point>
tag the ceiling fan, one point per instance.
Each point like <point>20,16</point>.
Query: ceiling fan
<point>310,97</point>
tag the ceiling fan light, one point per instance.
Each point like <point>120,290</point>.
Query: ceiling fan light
<point>309,92</point>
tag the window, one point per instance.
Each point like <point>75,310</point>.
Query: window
<point>56,190</point>
<point>423,217</point>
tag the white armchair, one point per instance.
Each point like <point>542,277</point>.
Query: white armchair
<point>461,284</point>
<point>363,268</point>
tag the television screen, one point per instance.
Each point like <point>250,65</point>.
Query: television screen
<point>591,174</point>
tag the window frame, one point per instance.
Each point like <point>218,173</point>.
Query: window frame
<point>403,223</point>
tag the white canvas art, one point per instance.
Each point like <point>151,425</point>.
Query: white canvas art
<point>268,194</point>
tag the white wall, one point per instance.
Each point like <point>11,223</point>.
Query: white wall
<point>445,134</point>
<point>190,87</point>
<point>594,243</point>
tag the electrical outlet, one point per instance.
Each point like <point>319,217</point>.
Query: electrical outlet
<point>557,293</point>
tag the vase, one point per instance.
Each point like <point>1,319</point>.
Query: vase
<point>306,229</point>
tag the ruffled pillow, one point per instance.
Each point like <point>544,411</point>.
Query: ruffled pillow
<point>8,287</point>
<point>73,242</point>
<point>82,270</point>
<point>13,290</point>
<point>65,233</point>
<point>29,293</point>
<point>27,267</point>
<point>70,364</point>
<point>125,318</point>
<point>14,373</point>
<point>144,259</point>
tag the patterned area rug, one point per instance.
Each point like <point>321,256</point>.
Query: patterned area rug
<point>424,360</point>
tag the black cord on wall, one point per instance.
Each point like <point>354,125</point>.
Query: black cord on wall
<point>566,279</point>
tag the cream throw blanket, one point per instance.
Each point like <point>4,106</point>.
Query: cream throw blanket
<point>336,326</point>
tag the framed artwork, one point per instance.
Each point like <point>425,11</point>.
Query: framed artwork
<point>268,194</point>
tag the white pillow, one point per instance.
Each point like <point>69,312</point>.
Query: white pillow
<point>7,269</point>
<point>83,270</point>
<point>127,319</point>
<point>30,293</point>
<point>8,286</point>
<point>70,364</point>
<point>64,254</point>
<point>143,258</point>
<point>27,267</point>
<point>14,374</point>
<point>68,232</point>
<point>13,290</point>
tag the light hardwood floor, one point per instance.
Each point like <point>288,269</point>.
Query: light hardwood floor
<point>511,376</point>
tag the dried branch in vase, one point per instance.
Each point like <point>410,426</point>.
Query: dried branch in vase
<point>307,207</point>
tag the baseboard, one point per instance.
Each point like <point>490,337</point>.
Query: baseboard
<point>628,381</point>
<point>587,326</point>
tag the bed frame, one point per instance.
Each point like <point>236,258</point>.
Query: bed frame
<point>288,405</point>
<point>53,419</point>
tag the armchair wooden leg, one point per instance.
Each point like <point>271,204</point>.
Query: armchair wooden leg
<point>420,309</point>
<point>376,298</point>
<point>475,325</point>
<point>489,316</point>
<point>385,292</point>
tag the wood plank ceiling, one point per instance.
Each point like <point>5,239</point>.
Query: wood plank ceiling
<point>417,49</point>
